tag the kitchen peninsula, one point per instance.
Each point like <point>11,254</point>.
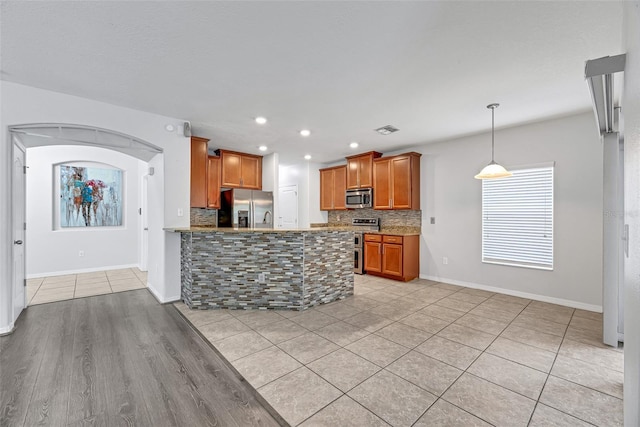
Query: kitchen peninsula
<point>264,268</point>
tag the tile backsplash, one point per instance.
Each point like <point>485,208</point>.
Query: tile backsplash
<point>204,217</point>
<point>399,218</point>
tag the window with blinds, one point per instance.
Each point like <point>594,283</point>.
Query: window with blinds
<point>517,219</point>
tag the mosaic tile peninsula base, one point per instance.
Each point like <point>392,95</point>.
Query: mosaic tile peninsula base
<point>301,268</point>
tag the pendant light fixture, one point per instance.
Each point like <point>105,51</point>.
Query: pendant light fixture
<point>493,170</point>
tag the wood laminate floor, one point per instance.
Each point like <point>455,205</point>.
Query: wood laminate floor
<point>118,359</point>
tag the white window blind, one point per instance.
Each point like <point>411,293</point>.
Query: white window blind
<point>517,219</point>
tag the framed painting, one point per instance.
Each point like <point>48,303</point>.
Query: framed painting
<point>90,196</point>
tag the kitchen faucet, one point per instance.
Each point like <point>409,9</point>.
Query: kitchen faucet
<point>264,220</point>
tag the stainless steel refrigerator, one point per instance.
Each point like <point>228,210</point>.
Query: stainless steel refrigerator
<point>246,208</point>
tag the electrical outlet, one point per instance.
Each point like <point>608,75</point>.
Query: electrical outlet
<point>180,212</point>
<point>445,260</point>
<point>261,278</point>
<point>338,218</point>
<point>81,253</point>
<point>433,220</point>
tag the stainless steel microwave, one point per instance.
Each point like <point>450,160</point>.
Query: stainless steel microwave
<point>361,198</point>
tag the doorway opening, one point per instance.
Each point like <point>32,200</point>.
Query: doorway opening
<point>89,243</point>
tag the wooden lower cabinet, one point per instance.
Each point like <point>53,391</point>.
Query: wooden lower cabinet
<point>394,257</point>
<point>373,257</point>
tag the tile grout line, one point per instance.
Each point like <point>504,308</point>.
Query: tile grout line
<point>549,375</point>
<point>398,321</point>
<point>467,368</point>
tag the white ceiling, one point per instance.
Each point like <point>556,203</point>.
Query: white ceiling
<point>340,69</point>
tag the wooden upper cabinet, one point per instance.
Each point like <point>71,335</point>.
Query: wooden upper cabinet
<point>240,170</point>
<point>213,183</point>
<point>360,170</point>
<point>251,172</point>
<point>339,188</point>
<point>332,188</point>
<point>397,182</point>
<point>382,184</point>
<point>199,160</point>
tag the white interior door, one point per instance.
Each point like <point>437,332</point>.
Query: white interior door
<point>18,206</point>
<point>288,210</point>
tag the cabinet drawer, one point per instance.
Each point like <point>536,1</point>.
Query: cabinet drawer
<point>372,238</point>
<point>392,239</point>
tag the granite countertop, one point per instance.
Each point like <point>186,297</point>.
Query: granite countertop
<point>204,229</point>
<point>392,231</point>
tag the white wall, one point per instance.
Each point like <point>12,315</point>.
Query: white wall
<point>51,250</point>
<point>451,194</point>
<point>307,178</point>
<point>631,111</point>
<point>168,188</point>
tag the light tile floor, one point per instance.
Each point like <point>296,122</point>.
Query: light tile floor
<point>421,354</point>
<point>57,288</point>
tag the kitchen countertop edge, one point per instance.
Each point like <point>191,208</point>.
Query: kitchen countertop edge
<point>196,229</point>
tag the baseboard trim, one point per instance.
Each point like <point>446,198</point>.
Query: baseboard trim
<point>82,270</point>
<point>543,298</point>
<point>158,297</point>
<point>7,329</point>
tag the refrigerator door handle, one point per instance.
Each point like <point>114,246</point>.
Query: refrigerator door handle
<point>252,216</point>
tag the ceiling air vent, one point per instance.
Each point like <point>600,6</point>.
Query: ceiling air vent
<point>386,130</point>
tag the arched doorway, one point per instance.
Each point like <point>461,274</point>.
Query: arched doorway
<point>67,136</point>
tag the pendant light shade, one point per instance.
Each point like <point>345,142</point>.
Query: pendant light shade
<point>493,170</point>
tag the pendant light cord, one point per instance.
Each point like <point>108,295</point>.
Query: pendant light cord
<point>493,110</point>
<point>492,107</point>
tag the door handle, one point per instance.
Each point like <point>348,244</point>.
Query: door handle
<point>17,242</point>
<point>146,229</point>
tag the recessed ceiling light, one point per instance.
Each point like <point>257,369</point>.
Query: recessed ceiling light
<point>307,156</point>
<point>169,128</point>
<point>261,120</point>
<point>305,132</point>
<point>354,145</point>
<point>262,148</point>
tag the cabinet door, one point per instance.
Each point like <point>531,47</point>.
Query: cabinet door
<point>231,170</point>
<point>366,172</point>
<point>326,189</point>
<point>213,183</point>
<point>339,188</point>
<point>353,173</point>
<point>392,259</point>
<point>251,172</point>
<point>401,182</point>
<point>199,157</point>
<point>381,185</point>
<point>373,256</point>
